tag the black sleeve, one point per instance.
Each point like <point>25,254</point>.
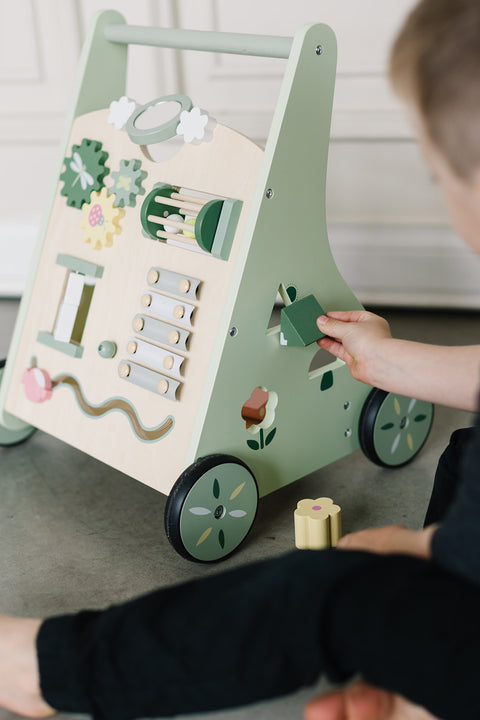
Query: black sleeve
<point>456,543</point>
<point>267,629</point>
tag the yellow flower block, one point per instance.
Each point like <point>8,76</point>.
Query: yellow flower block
<point>318,524</point>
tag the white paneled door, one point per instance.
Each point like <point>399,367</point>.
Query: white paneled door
<point>381,202</point>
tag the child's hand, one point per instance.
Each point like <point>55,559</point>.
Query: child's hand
<point>364,702</point>
<point>355,337</point>
<point>390,540</point>
<point>418,370</point>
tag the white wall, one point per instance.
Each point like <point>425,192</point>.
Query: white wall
<point>388,228</point>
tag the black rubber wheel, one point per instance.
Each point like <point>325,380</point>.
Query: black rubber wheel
<point>211,508</point>
<point>393,428</point>
<point>8,438</point>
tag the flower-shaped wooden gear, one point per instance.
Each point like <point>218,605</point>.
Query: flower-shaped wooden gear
<point>317,524</point>
<point>101,220</point>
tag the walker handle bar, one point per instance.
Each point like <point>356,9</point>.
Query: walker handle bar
<point>208,41</point>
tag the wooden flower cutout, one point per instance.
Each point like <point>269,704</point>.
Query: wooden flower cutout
<point>258,412</point>
<point>318,524</point>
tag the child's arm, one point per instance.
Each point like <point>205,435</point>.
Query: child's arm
<point>443,375</point>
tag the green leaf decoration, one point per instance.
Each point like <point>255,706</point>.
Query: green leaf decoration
<point>237,491</point>
<point>216,488</point>
<point>419,418</point>
<point>327,380</point>
<point>292,292</point>
<point>270,436</point>
<point>204,536</point>
<point>388,426</point>
<point>221,539</point>
<point>253,444</point>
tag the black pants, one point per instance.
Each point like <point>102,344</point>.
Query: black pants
<point>448,478</point>
<point>267,629</point>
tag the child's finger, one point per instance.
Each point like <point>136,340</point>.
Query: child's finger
<point>350,315</point>
<point>333,347</point>
<point>332,327</point>
<point>327,707</point>
<point>354,702</point>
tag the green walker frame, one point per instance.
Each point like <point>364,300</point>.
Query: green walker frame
<point>255,416</point>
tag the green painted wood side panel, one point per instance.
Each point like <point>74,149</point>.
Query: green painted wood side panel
<point>286,242</point>
<point>102,67</point>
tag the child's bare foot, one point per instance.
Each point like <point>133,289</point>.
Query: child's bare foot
<point>19,678</point>
<point>364,702</point>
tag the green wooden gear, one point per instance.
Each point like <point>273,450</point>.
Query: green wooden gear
<point>127,183</point>
<point>84,172</point>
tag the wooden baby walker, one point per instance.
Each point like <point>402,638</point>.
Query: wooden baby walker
<point>143,336</point>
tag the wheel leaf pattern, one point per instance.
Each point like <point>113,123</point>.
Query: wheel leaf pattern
<point>421,417</point>
<point>204,536</point>
<point>223,500</point>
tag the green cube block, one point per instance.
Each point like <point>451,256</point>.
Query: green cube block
<point>298,321</point>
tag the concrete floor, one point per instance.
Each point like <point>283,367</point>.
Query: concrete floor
<point>75,533</point>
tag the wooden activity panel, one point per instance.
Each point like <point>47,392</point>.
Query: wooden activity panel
<point>128,293</point>
<point>144,336</point>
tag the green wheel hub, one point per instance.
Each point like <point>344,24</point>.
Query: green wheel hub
<point>211,508</point>
<point>13,437</point>
<point>393,428</point>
